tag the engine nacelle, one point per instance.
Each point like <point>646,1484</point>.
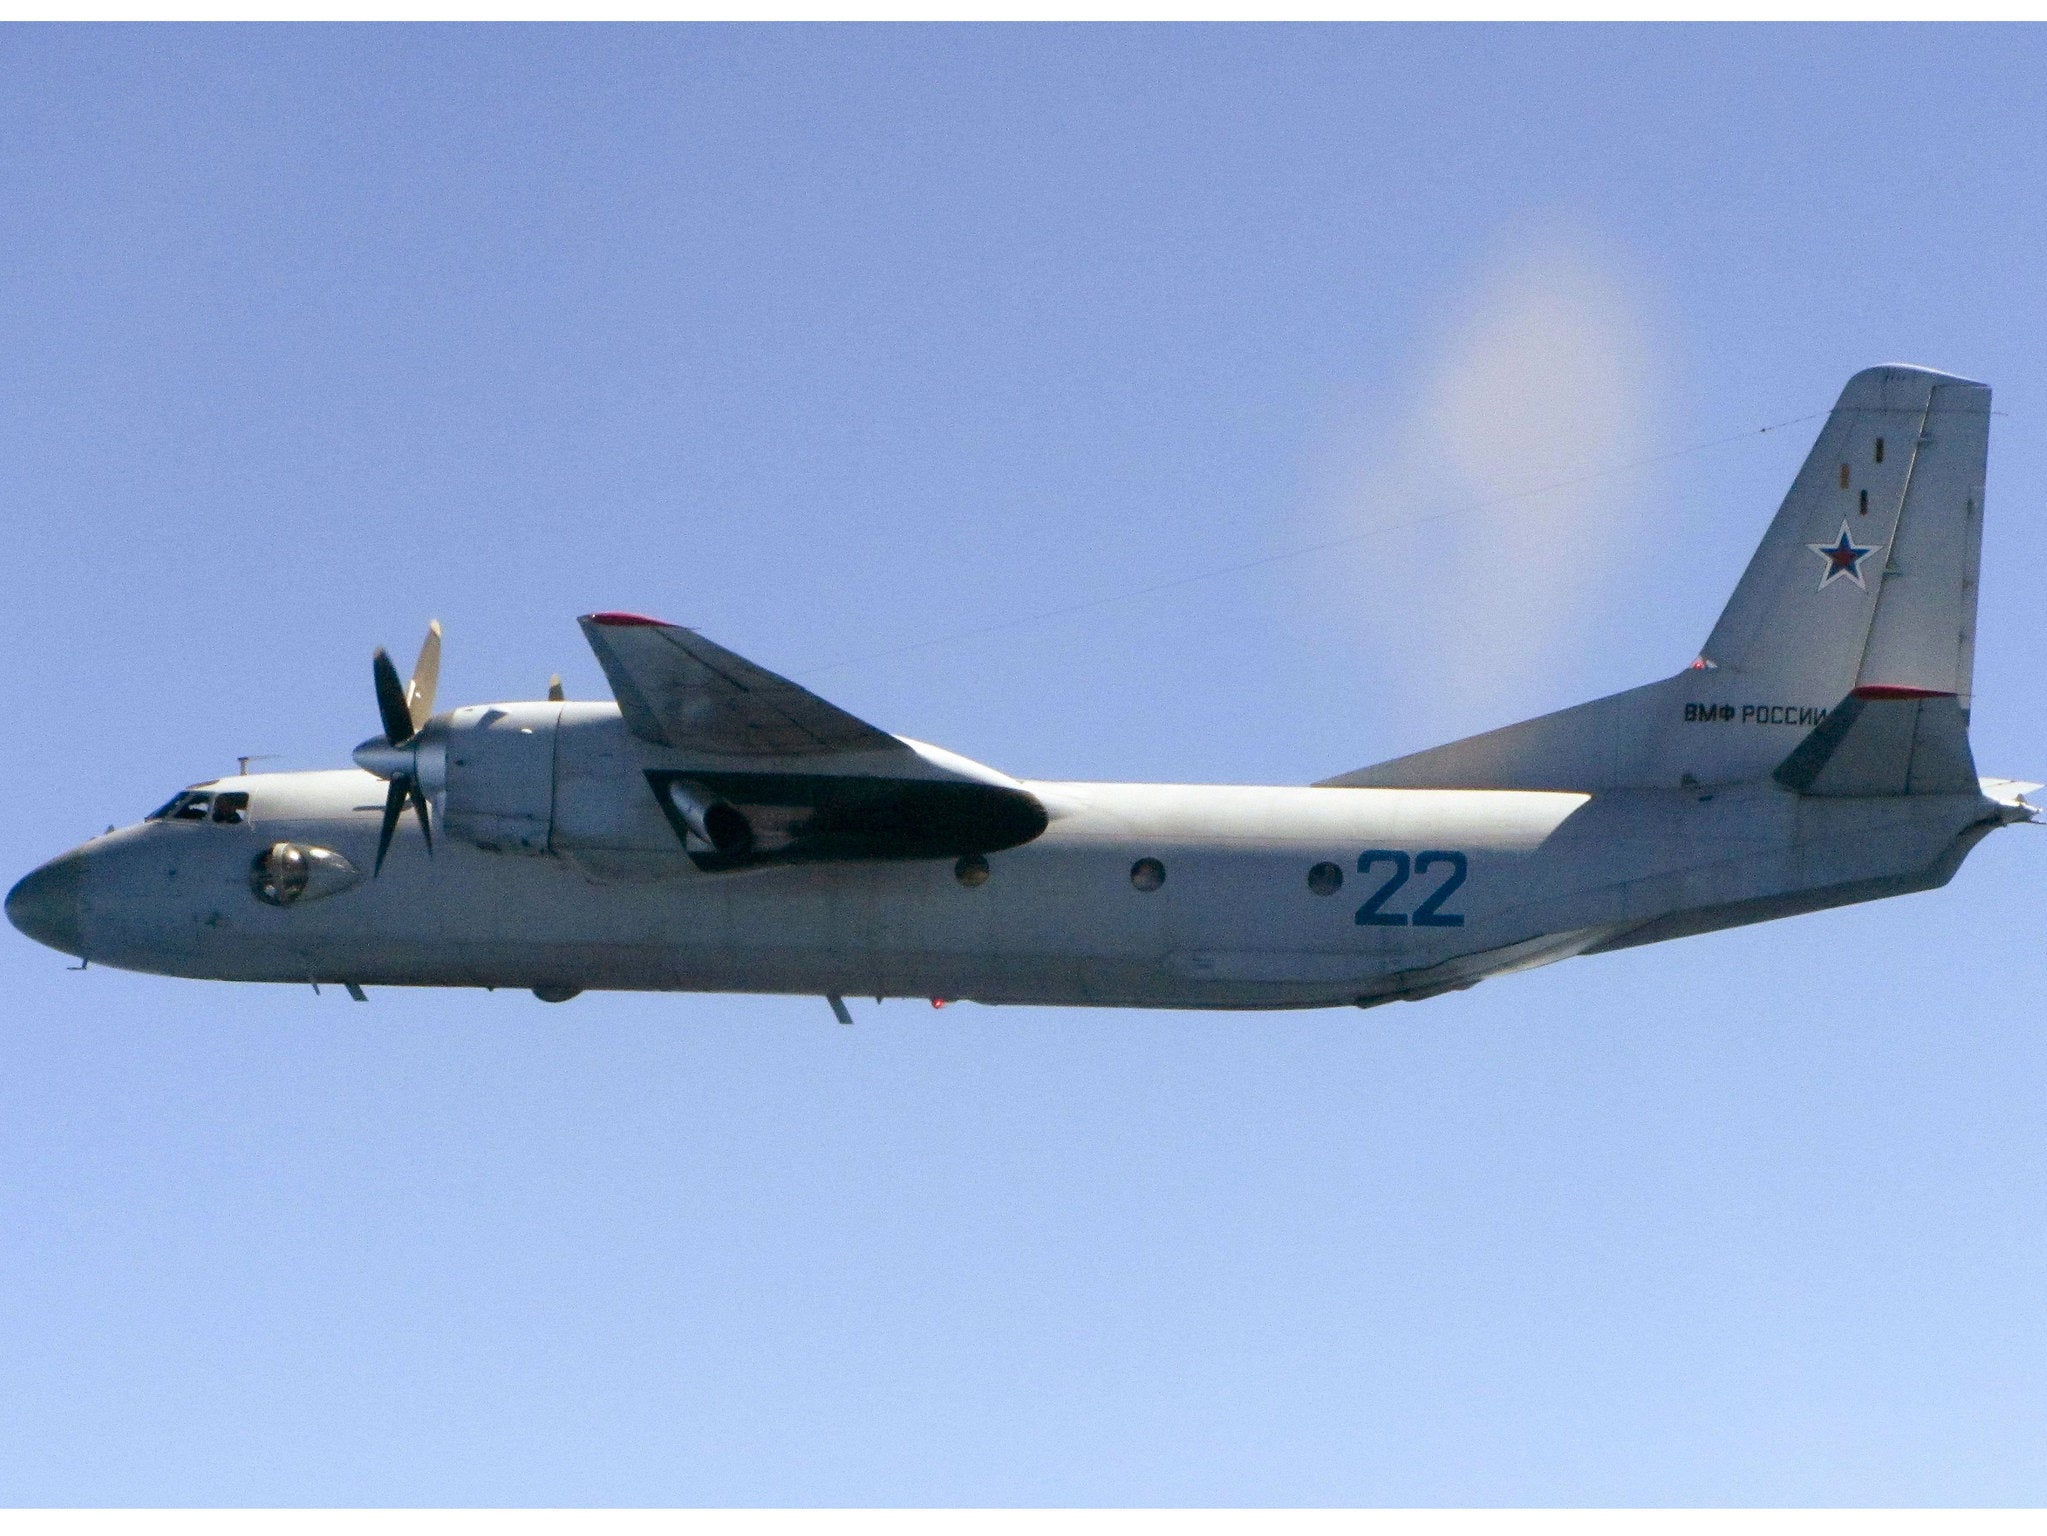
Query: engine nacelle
<point>569,778</point>
<point>496,786</point>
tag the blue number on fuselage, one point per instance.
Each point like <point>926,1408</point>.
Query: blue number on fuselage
<point>1430,913</point>
<point>1369,914</point>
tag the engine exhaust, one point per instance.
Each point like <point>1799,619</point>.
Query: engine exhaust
<point>717,821</point>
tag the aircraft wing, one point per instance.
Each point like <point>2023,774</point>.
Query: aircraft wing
<point>808,782</point>
<point>677,689</point>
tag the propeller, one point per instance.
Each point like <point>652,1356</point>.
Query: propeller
<point>404,709</point>
<point>426,677</point>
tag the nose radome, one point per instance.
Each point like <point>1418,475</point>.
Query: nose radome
<point>44,904</point>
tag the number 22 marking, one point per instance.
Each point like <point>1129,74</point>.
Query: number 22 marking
<point>1430,913</point>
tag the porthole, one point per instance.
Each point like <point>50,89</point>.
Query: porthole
<point>1879,450</point>
<point>1863,505</point>
<point>1844,477</point>
<point>1147,874</point>
<point>1325,879</point>
<point>972,870</point>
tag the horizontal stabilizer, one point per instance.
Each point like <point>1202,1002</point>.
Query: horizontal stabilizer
<point>1885,741</point>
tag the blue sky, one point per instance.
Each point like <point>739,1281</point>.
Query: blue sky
<point>839,343</point>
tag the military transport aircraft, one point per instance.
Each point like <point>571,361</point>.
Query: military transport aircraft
<point>719,828</point>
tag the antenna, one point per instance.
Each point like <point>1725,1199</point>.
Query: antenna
<point>244,760</point>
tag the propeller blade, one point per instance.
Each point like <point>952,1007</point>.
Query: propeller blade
<point>554,689</point>
<point>426,828</point>
<point>394,805</point>
<point>391,706</point>
<point>426,677</point>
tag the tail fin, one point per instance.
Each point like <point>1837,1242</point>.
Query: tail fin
<point>1865,583</point>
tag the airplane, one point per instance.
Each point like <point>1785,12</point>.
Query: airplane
<point>717,828</point>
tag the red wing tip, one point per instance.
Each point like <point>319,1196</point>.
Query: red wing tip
<point>628,620</point>
<point>1899,691</point>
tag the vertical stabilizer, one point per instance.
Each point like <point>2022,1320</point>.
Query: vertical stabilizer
<point>1868,574</point>
<point>1866,580</point>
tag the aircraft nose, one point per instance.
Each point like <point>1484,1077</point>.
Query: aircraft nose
<point>44,904</point>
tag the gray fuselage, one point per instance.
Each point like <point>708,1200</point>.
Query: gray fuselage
<point>1439,889</point>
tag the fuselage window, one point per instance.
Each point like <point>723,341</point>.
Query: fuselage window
<point>232,808</point>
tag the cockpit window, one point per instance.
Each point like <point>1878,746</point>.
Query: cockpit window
<point>230,807</point>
